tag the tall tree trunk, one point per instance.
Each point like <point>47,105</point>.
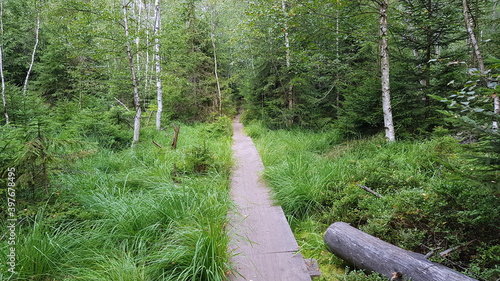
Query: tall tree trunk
<point>37,33</point>
<point>159,88</point>
<point>2,77</point>
<point>137,105</point>
<point>219,93</point>
<point>149,68</point>
<point>288,56</point>
<point>137,16</point>
<point>428,50</point>
<point>384,65</point>
<point>496,110</point>
<point>337,31</point>
<point>214,47</point>
<point>469,24</point>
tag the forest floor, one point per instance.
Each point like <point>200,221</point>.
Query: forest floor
<point>262,244</point>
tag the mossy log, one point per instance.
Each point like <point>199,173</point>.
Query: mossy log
<point>370,253</point>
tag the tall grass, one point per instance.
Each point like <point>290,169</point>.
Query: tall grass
<point>138,214</point>
<point>432,196</point>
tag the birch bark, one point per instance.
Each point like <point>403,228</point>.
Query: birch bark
<point>469,24</point>
<point>159,88</point>
<point>214,46</point>
<point>137,105</point>
<point>384,65</point>
<point>2,77</point>
<point>496,110</point>
<point>37,39</point>
<point>288,56</point>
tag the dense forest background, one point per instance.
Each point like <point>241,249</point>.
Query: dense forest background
<point>85,78</point>
<point>312,64</point>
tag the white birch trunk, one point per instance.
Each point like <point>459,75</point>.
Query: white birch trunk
<point>337,32</point>
<point>137,15</point>
<point>219,93</point>
<point>496,110</point>
<point>469,24</point>
<point>159,88</point>
<point>384,65</point>
<point>288,56</point>
<point>37,33</point>
<point>137,117</point>
<point>2,77</point>
<point>4,100</point>
<point>216,67</point>
<point>147,76</point>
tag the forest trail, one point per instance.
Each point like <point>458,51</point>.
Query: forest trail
<point>262,243</point>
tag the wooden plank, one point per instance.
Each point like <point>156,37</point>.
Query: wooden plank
<point>270,267</point>
<point>262,243</point>
<point>368,252</point>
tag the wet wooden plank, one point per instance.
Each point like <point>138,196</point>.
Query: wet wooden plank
<point>270,267</point>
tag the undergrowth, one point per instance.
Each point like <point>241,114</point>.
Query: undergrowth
<point>434,196</point>
<point>147,213</point>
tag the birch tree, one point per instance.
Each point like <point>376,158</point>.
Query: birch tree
<point>383,5</point>
<point>288,56</point>
<point>469,24</point>
<point>133,78</point>
<point>213,27</point>
<point>2,77</point>
<point>159,88</point>
<point>35,47</point>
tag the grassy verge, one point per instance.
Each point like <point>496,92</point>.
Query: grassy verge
<point>434,196</point>
<point>144,214</point>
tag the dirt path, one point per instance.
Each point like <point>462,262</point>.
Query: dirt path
<point>261,238</point>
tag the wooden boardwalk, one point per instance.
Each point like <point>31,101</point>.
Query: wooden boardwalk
<point>262,243</point>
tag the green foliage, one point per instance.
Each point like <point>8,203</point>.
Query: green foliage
<point>222,127</point>
<point>127,215</point>
<point>433,196</point>
<point>254,129</point>
<point>471,109</point>
<point>108,128</point>
<point>198,159</point>
<point>361,276</point>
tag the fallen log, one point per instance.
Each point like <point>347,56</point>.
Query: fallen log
<point>367,252</point>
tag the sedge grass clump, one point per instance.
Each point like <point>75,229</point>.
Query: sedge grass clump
<point>300,184</point>
<point>43,251</point>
